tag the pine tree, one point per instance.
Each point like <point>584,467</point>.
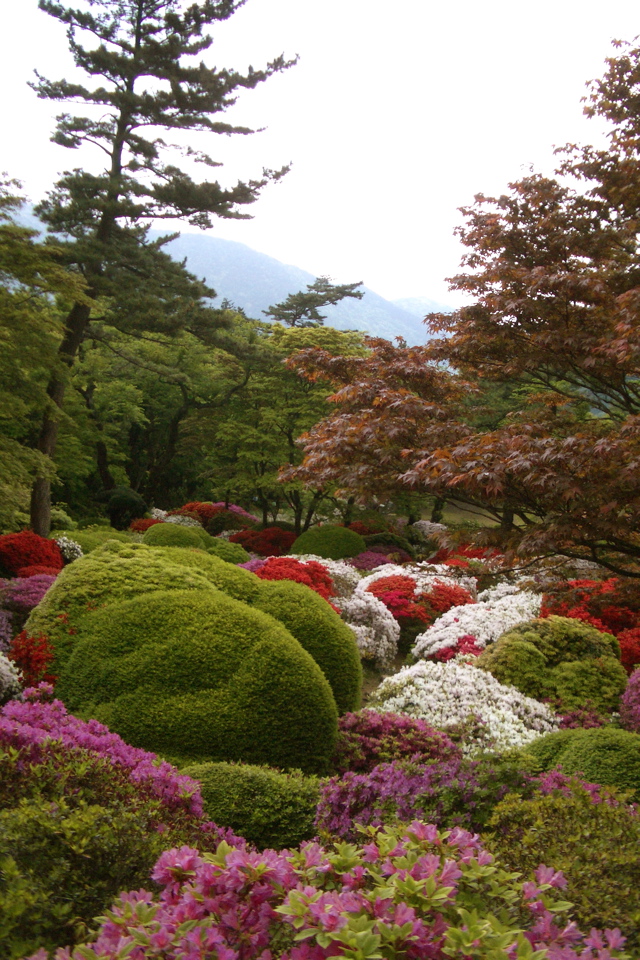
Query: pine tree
<point>140,54</point>
<point>302,309</point>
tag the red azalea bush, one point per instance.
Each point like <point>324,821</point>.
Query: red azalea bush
<point>311,573</point>
<point>368,738</point>
<point>465,551</point>
<point>139,526</point>
<point>270,542</point>
<point>629,641</point>
<point>33,656</point>
<point>38,569</point>
<point>365,529</point>
<point>609,605</point>
<point>466,644</point>
<point>398,594</point>
<point>26,549</point>
<point>204,510</point>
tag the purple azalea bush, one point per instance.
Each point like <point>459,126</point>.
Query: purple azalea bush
<point>369,560</point>
<point>6,630</point>
<point>24,593</point>
<point>411,892</point>
<point>630,704</point>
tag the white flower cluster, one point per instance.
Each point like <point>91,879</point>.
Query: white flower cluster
<point>429,530</point>
<point>486,621</point>
<point>444,694</point>
<point>70,549</point>
<point>157,514</point>
<point>424,576</point>
<point>10,680</point>
<point>376,630</point>
<point>345,577</point>
<point>183,521</point>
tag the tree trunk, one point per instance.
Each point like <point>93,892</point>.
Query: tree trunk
<point>437,510</point>
<point>75,328</point>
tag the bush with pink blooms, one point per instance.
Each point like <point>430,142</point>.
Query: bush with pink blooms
<point>409,892</point>
<point>630,704</point>
<point>82,817</point>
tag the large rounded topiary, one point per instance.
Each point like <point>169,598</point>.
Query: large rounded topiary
<point>266,807</point>
<point>91,538</point>
<point>230,552</point>
<point>174,535</point>
<point>602,755</point>
<point>111,573</point>
<point>329,541</point>
<point>321,632</point>
<point>196,675</point>
<point>232,580</point>
<point>559,657</point>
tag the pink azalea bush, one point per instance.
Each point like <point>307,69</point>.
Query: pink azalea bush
<point>630,704</point>
<point>409,892</point>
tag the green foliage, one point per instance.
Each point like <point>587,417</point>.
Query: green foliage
<point>389,539</point>
<point>331,542</point>
<point>123,506</point>
<point>90,538</point>
<point>198,674</point>
<point>560,658</point>
<point>594,844</point>
<point>227,520</point>
<point>302,309</point>
<point>232,580</point>
<point>174,535</point>
<point>230,552</point>
<point>267,807</point>
<point>603,755</point>
<point>321,632</point>
<point>111,573</point>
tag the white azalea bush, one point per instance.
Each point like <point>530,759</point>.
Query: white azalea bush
<point>10,680</point>
<point>376,630</point>
<point>182,521</point>
<point>70,549</point>
<point>425,575</point>
<point>345,577</point>
<point>447,694</point>
<point>485,621</point>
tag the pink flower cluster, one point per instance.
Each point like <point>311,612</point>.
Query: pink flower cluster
<point>317,903</point>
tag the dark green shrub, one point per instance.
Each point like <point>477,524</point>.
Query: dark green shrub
<point>594,844</point>
<point>123,506</point>
<point>174,535</point>
<point>111,573</point>
<point>197,675</point>
<point>331,542</point>
<point>266,807</point>
<point>228,520</point>
<point>559,658</point>
<point>389,540</point>
<point>600,754</point>
<point>321,632</point>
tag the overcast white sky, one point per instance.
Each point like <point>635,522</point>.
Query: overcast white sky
<point>396,115</point>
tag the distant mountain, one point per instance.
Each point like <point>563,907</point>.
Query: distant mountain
<point>255,281</point>
<point>421,306</point>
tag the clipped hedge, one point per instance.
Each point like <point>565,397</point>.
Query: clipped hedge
<point>266,807</point>
<point>174,535</point>
<point>196,675</point>
<point>561,658</point>
<point>319,629</point>
<point>232,580</point>
<point>92,538</point>
<point>110,574</point>
<point>230,552</point>
<point>602,755</point>
<point>595,845</point>
<point>329,541</point>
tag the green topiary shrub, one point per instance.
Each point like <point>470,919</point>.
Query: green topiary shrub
<point>197,675</point>
<point>602,755</point>
<point>111,573</point>
<point>174,535</point>
<point>321,632</point>
<point>389,540</point>
<point>232,580</point>
<point>228,520</point>
<point>266,807</point>
<point>594,844</point>
<point>331,542</point>
<point>230,552</point>
<point>560,658</point>
<point>123,506</point>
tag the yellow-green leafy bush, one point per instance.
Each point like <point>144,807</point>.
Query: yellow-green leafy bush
<point>231,552</point>
<point>197,675</point>
<point>595,845</point>
<point>602,755</point>
<point>267,807</point>
<point>559,658</point>
<point>93,537</point>
<point>174,535</point>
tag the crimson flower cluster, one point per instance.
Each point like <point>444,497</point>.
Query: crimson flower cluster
<point>27,549</point>
<point>270,542</point>
<point>311,573</point>
<point>33,656</point>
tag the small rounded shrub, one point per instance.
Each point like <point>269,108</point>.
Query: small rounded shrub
<point>93,537</point>
<point>368,738</point>
<point>194,674</point>
<point>331,542</point>
<point>173,535</point>
<point>321,632</point>
<point>601,755</point>
<point>230,552</point>
<point>266,807</point>
<point>559,658</point>
<point>123,506</point>
<point>595,845</point>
